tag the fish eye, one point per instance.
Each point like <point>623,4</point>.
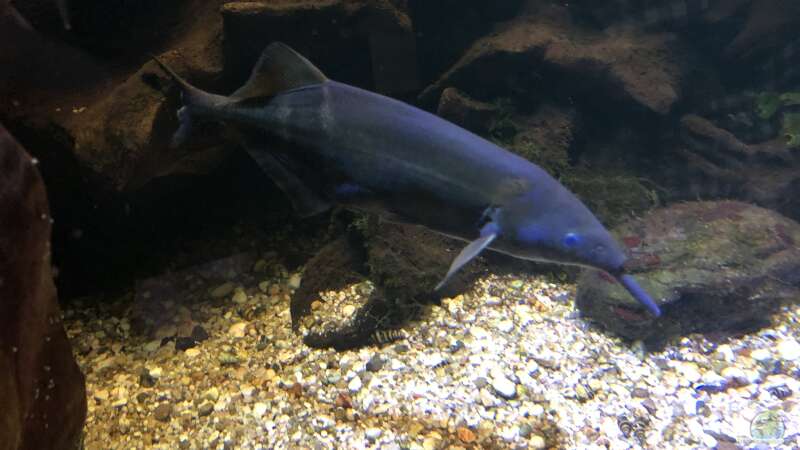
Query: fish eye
<point>570,240</point>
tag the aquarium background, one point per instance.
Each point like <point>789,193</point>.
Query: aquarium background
<point>202,312</point>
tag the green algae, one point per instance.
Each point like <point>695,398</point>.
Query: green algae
<point>790,98</point>
<point>791,129</point>
<point>767,104</point>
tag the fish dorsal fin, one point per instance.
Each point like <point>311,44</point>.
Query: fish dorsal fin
<point>279,69</point>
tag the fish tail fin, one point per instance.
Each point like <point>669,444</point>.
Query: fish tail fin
<point>192,98</point>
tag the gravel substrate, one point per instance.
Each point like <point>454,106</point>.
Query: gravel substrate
<point>510,364</point>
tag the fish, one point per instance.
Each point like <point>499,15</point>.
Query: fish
<point>327,143</point>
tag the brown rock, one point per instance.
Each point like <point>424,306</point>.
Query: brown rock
<point>624,63</point>
<point>43,391</point>
<point>466,435</point>
<point>718,164</point>
<point>713,266</point>
<point>467,112</point>
<point>328,32</point>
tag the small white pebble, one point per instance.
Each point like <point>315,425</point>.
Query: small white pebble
<point>354,385</point>
<point>259,409</point>
<point>789,350</point>
<point>761,355</point>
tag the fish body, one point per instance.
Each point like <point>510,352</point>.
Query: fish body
<point>326,143</point>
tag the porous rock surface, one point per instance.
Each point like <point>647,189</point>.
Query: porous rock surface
<point>41,387</point>
<point>712,266</point>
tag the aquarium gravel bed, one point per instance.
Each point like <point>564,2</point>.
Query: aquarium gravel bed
<point>509,364</point>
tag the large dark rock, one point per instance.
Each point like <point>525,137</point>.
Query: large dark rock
<point>403,262</point>
<point>365,43</point>
<point>545,47</point>
<point>713,266</point>
<point>41,387</point>
<point>716,163</point>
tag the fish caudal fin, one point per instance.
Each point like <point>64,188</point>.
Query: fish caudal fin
<point>639,294</point>
<point>193,99</point>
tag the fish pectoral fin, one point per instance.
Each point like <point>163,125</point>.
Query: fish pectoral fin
<point>305,201</point>
<point>468,253</point>
<point>279,69</point>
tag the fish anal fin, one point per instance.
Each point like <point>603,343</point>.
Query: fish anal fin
<point>279,68</point>
<point>488,234</point>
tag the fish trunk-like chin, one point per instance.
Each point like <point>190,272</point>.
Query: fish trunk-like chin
<point>639,294</point>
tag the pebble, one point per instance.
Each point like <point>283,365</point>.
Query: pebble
<point>373,433</point>
<point>324,422</point>
<point>734,375</point>
<point>348,310</point>
<point>537,442</point>
<point>506,326</point>
<point>503,386</point>
<point>192,353</point>
<point>354,385</point>
<point>222,290</point>
<point>789,350</point>
<point>205,408</point>
<point>689,372</point>
<point>761,355</point>
<point>259,409</point>
<point>239,297</point>
<point>101,395</point>
<point>466,435</point>
<point>163,412</point>
<point>294,281</point>
<point>212,394</point>
<point>375,363</point>
<point>238,330</point>
<point>725,353</point>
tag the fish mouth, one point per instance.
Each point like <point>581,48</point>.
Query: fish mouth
<point>637,292</point>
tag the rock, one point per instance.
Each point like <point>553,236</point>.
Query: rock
<point>404,264</point>
<point>332,268</point>
<point>35,354</point>
<point>354,385</point>
<point>239,297</point>
<point>719,163</point>
<point>205,408</point>
<point>761,355</point>
<point>375,363</point>
<point>625,64</point>
<point>504,387</point>
<point>145,379</point>
<point>537,442</point>
<point>163,412</point>
<point>295,280</point>
<point>466,435</point>
<point>789,349</point>
<point>223,290</point>
<point>474,115</point>
<point>711,265</point>
<point>373,433</point>
<point>382,26</point>
<point>259,409</point>
<point>238,330</point>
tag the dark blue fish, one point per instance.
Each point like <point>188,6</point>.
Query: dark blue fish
<point>325,143</point>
